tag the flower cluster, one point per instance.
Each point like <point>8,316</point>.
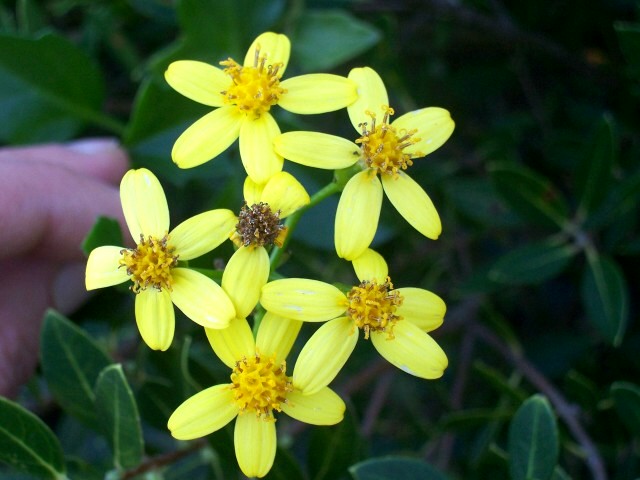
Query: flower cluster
<point>396,320</point>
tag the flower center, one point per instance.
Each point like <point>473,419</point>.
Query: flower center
<point>150,263</point>
<point>372,307</point>
<point>261,386</point>
<point>381,145</point>
<point>254,88</point>
<point>258,225</point>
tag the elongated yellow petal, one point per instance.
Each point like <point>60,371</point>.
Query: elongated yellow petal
<point>358,214</point>
<point>255,443</point>
<point>208,137</point>
<point>324,355</point>
<point>413,203</point>
<point>276,336</point>
<point>201,299</point>
<point>275,46</point>
<point>258,156</point>
<point>434,127</point>
<point>303,299</point>
<point>103,268</point>
<point>412,350</point>
<point>245,274</point>
<point>317,93</point>
<point>371,266</point>
<point>372,95</point>
<point>198,81</point>
<point>283,192</point>
<point>204,413</point>
<point>155,318</point>
<point>324,407</point>
<point>422,308</point>
<point>144,204</point>
<point>317,150</point>
<point>233,343</point>
<point>202,233</point>
<point>252,191</point>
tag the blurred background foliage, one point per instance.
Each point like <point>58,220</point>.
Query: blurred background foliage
<point>538,190</point>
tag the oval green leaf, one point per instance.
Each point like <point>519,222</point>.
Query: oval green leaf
<point>394,468</point>
<point>626,397</point>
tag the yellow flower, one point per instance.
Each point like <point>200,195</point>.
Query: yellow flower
<point>259,386</point>
<point>384,149</point>
<point>152,265</point>
<point>245,94</point>
<point>257,227</point>
<point>396,321</point>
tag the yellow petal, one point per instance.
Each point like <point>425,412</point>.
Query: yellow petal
<point>317,93</point>
<point>422,308</point>
<point>317,150</point>
<point>155,318</point>
<point>371,266</point>
<point>275,46</point>
<point>204,413</point>
<point>372,95</point>
<point>144,204</point>
<point>198,81</point>
<point>303,299</point>
<point>283,192</point>
<point>252,191</point>
<point>245,274</point>
<point>324,407</point>
<point>412,350</point>
<point>357,214</point>
<point>103,268</point>
<point>413,203</point>
<point>202,233</point>
<point>434,127</point>
<point>255,441</point>
<point>233,343</point>
<point>207,138</point>
<point>276,336</point>
<point>201,299</point>
<point>258,156</point>
<point>324,355</point>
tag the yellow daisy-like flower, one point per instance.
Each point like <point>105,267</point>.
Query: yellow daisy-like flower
<point>259,387</point>
<point>395,320</point>
<point>245,94</point>
<point>258,226</point>
<point>152,265</point>
<point>385,149</point>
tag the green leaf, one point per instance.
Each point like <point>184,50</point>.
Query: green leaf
<point>529,194</point>
<point>626,397</point>
<point>629,38</point>
<point>394,468</point>
<point>533,441</point>
<point>106,231</point>
<point>285,467</point>
<point>605,297</point>
<point>30,16</point>
<point>119,416</point>
<point>48,89</point>
<point>27,444</point>
<point>533,263</point>
<point>333,449</point>
<point>71,363</point>
<point>340,35</point>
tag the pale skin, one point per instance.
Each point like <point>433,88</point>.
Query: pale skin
<point>50,196</point>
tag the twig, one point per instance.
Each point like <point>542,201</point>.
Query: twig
<point>378,399</point>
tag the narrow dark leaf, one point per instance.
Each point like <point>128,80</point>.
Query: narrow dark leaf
<point>394,468</point>
<point>333,449</point>
<point>106,231</point>
<point>626,396</point>
<point>629,38</point>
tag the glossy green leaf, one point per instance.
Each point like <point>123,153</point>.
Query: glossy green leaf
<point>533,441</point>
<point>605,297</point>
<point>394,468</point>
<point>27,444</point>
<point>626,396</point>
<point>118,414</point>
<point>629,38</point>
<point>333,449</point>
<point>71,363</point>
<point>106,231</point>
<point>533,263</point>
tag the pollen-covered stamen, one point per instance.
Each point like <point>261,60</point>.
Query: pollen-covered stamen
<point>150,263</point>
<point>372,307</point>
<point>254,89</point>
<point>381,145</point>
<point>260,385</point>
<point>259,226</point>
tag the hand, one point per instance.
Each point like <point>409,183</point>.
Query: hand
<point>50,196</point>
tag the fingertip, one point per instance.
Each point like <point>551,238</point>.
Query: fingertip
<point>104,157</point>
